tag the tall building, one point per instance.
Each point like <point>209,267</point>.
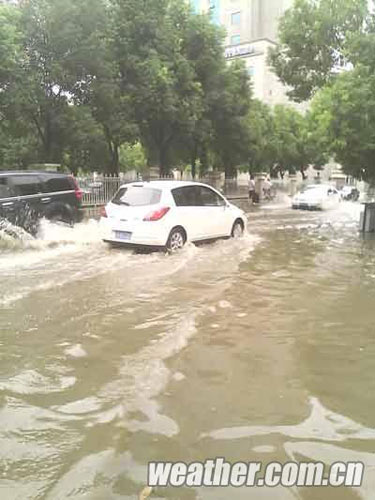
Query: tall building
<point>245,20</point>
<point>251,27</point>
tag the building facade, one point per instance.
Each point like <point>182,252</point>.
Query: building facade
<point>245,20</point>
<point>251,27</point>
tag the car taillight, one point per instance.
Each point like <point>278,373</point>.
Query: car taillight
<point>103,212</point>
<point>156,214</point>
<point>77,190</point>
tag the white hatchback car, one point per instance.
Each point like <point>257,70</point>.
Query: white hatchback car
<point>167,214</point>
<point>317,197</point>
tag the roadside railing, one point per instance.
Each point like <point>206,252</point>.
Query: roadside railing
<point>99,189</point>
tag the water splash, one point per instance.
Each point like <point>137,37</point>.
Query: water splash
<point>12,236</point>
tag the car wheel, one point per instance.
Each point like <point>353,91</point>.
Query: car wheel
<point>176,240</point>
<point>61,215</point>
<point>237,229</point>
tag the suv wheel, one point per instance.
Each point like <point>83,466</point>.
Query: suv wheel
<point>61,214</point>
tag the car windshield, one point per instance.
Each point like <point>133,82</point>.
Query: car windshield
<point>137,196</point>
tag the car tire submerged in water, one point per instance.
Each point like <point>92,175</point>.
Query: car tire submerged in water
<point>176,240</point>
<point>60,213</point>
<point>237,229</point>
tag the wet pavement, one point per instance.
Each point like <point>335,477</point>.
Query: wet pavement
<point>256,349</point>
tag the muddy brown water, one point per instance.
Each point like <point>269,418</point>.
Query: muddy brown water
<point>257,349</point>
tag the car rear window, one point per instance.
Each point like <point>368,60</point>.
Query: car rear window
<point>137,196</point>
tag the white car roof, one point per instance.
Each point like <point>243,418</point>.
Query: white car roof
<point>317,186</point>
<point>168,185</point>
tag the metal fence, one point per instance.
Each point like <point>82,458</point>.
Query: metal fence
<point>99,189</point>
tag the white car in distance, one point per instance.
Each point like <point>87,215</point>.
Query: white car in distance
<point>317,197</point>
<point>167,214</point>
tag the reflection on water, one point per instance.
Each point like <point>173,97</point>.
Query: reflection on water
<point>255,349</point>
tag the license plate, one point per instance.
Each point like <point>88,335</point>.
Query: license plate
<point>123,235</point>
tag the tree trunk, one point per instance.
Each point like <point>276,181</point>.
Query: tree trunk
<point>48,138</point>
<point>113,149</point>
<point>204,161</point>
<point>230,172</point>
<point>194,160</point>
<point>113,167</point>
<point>194,167</point>
<point>163,160</point>
<point>115,159</point>
<point>163,157</point>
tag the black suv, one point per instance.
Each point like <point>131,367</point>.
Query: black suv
<point>27,196</point>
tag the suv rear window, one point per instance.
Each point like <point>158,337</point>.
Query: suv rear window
<point>54,184</point>
<point>25,185</point>
<point>137,196</point>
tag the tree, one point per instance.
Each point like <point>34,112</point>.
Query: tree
<point>297,142</point>
<point>84,146</point>
<point>156,75</point>
<point>203,44</point>
<point>81,82</point>
<point>229,112</point>
<point>10,46</point>
<point>57,58</point>
<point>15,143</point>
<point>316,38</point>
<point>346,112</point>
<point>261,137</point>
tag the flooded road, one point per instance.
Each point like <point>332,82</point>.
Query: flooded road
<point>258,349</point>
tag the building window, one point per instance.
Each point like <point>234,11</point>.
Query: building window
<point>214,10</point>
<point>235,40</point>
<point>236,18</point>
<point>251,71</point>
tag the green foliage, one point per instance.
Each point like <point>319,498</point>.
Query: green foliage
<point>133,157</point>
<point>345,112</point>
<point>229,117</point>
<point>330,45</point>
<point>261,138</point>
<point>156,74</point>
<point>56,54</point>
<point>82,141</point>
<point>316,41</point>
<point>282,140</point>
<point>10,46</point>
<point>294,141</point>
<point>119,84</point>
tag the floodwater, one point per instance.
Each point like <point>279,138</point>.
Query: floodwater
<point>256,349</point>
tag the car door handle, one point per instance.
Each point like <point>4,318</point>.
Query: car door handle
<point>46,200</point>
<point>8,204</point>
